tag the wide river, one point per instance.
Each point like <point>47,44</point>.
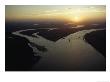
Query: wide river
<point>69,53</point>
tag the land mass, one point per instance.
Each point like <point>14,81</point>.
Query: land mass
<point>19,56</point>
<point>98,40</point>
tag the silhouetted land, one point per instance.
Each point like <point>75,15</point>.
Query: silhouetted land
<point>52,35</point>
<point>58,33</point>
<point>98,40</point>
<point>19,56</point>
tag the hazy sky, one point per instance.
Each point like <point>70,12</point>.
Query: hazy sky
<point>72,13</point>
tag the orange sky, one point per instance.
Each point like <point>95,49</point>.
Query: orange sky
<point>73,13</point>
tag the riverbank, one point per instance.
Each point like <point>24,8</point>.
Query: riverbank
<point>98,40</point>
<point>19,56</point>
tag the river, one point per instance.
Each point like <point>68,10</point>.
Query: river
<point>69,53</point>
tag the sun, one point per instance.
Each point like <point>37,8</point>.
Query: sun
<point>77,19</point>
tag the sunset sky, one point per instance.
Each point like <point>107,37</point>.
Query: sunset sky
<point>64,12</point>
